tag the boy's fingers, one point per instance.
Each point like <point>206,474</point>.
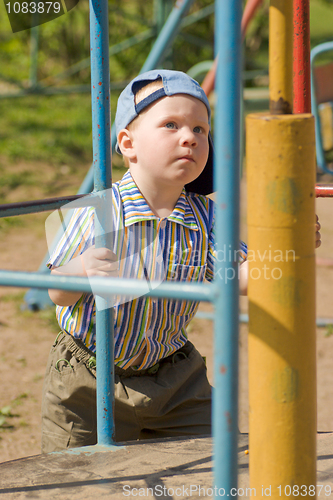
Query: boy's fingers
<point>108,266</point>
<point>318,235</point>
<point>105,254</point>
<point>102,273</point>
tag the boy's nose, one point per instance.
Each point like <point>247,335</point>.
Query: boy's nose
<point>188,137</point>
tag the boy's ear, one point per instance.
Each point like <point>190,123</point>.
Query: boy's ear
<point>125,143</point>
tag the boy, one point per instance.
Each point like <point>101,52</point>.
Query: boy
<point>164,230</point>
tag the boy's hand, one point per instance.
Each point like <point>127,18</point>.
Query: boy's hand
<point>318,235</point>
<point>99,262</point>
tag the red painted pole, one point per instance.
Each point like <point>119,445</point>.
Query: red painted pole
<point>324,190</point>
<point>249,12</point>
<point>302,85</point>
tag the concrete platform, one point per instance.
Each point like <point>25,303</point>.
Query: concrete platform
<point>163,469</point>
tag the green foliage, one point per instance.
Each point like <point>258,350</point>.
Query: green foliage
<point>6,413</point>
<point>329,331</point>
<point>256,41</point>
<point>48,316</point>
<point>321,21</point>
<point>65,41</point>
<point>57,129</point>
<point>6,223</point>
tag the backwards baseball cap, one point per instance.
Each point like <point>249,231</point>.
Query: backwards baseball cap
<point>173,82</point>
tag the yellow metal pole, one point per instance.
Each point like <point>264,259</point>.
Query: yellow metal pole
<point>281,56</point>
<point>282,349</point>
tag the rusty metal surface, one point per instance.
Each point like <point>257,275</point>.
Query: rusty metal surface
<point>280,107</point>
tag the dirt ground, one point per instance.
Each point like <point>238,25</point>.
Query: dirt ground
<point>26,337</point>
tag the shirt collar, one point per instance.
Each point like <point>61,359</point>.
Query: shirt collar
<point>136,209</point>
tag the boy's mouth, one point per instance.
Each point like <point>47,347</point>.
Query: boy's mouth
<point>187,158</point>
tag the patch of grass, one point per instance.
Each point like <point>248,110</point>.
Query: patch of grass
<point>329,156</point>
<point>7,223</point>
<point>38,377</point>
<point>55,130</point>
<point>6,413</point>
<point>19,399</point>
<point>14,297</point>
<point>329,331</point>
<point>321,21</point>
<point>22,361</point>
<point>49,317</point>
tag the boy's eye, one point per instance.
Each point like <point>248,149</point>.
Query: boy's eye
<point>170,125</point>
<point>197,130</point>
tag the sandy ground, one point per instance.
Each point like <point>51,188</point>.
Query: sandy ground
<point>26,337</point>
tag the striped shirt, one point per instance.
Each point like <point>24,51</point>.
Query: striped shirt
<point>179,247</point>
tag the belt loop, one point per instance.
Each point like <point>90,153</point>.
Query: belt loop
<point>153,369</point>
<point>56,339</point>
<point>65,361</point>
<point>178,353</point>
<point>92,362</point>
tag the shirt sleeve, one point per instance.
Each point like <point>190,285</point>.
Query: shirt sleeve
<point>213,254</point>
<point>77,236</point>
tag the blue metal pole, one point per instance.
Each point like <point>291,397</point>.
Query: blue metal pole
<point>167,34</point>
<point>116,286</point>
<point>164,40</point>
<point>101,127</point>
<point>227,172</point>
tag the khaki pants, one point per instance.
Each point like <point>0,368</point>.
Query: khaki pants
<point>173,398</point>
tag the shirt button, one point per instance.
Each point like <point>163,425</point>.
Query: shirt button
<point>163,223</point>
<point>159,258</point>
<point>148,333</point>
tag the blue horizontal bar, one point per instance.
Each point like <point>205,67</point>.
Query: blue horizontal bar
<point>111,286</point>
<point>30,207</point>
<point>35,206</point>
<point>320,322</point>
<point>205,315</point>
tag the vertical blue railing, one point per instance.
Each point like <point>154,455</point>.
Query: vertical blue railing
<point>227,140</point>
<point>101,127</point>
<point>226,178</point>
<point>163,42</point>
<point>38,298</point>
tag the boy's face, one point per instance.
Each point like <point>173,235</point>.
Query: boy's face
<point>170,141</point>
